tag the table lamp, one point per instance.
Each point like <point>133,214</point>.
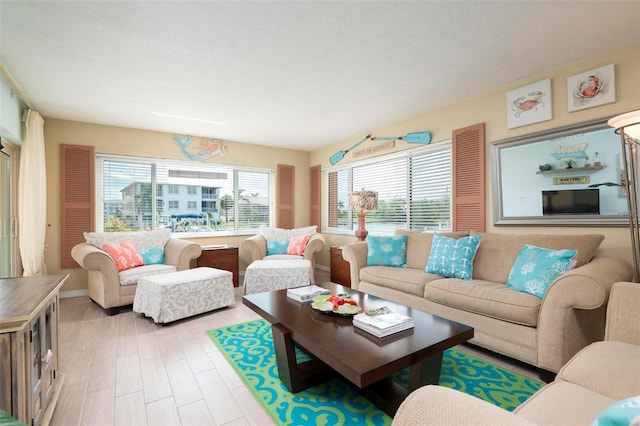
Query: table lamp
<point>363,200</point>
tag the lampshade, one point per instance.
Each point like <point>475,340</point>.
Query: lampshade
<point>629,122</point>
<point>363,200</point>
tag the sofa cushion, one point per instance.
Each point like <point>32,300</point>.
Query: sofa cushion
<point>131,276</point>
<point>297,244</point>
<point>498,252</point>
<point>617,366</point>
<point>124,255</point>
<point>387,251</point>
<point>153,255</point>
<point>453,258</point>
<point>140,240</point>
<point>419,245</point>
<point>486,298</point>
<point>407,280</point>
<point>621,413</point>
<point>277,247</point>
<point>536,268</point>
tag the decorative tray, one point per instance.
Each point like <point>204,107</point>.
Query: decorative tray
<point>331,304</point>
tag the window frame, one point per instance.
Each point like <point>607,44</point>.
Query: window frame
<point>406,155</point>
<point>233,170</point>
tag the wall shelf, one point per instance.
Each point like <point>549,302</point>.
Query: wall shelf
<point>571,170</point>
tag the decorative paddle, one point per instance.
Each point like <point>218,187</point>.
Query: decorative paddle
<point>340,154</point>
<point>415,137</point>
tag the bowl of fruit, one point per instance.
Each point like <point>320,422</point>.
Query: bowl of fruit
<point>333,304</point>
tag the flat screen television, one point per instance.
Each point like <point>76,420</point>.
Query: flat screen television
<point>571,201</point>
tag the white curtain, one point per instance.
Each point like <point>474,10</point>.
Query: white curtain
<point>32,198</point>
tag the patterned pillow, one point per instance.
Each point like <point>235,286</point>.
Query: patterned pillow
<point>387,251</point>
<point>152,256</point>
<point>620,413</point>
<point>298,244</point>
<point>124,254</point>
<point>278,239</point>
<point>277,247</point>
<point>536,268</point>
<point>452,258</point>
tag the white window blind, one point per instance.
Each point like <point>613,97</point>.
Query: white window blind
<point>414,191</point>
<point>183,196</point>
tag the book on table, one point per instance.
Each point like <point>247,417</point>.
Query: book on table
<point>306,293</point>
<point>382,324</point>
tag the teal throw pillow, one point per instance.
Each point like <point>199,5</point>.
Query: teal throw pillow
<point>152,256</point>
<point>536,268</point>
<point>277,247</point>
<point>452,258</point>
<point>387,251</point>
<point>621,413</point>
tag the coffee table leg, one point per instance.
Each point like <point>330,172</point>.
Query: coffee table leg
<point>424,373</point>
<point>388,395</point>
<point>296,377</point>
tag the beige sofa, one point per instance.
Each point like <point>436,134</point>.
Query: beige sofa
<point>594,379</point>
<point>112,289</point>
<point>545,332</point>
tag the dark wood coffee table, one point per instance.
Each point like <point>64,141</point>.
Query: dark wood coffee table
<point>366,361</point>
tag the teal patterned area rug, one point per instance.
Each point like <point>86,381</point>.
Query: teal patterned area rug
<point>249,349</point>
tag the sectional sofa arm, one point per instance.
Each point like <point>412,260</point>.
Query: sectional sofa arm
<point>91,258</point>
<point>315,245</point>
<point>252,249</point>
<point>179,253</point>
<point>438,405</point>
<point>624,302</point>
<point>572,314</point>
<point>356,255</point>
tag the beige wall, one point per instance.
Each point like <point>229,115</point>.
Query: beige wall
<point>490,108</point>
<point>120,140</point>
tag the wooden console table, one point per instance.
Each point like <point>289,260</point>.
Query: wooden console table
<point>29,380</point>
<point>221,257</point>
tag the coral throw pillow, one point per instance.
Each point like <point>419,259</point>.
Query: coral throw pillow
<point>124,254</point>
<point>298,244</point>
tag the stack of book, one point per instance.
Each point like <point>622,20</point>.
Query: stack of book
<point>306,293</point>
<point>382,324</point>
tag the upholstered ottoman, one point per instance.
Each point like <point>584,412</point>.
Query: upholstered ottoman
<point>177,295</point>
<point>270,275</point>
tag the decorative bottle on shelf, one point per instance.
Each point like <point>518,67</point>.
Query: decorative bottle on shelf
<point>586,162</point>
<point>597,162</point>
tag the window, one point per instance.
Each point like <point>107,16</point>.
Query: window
<point>137,193</point>
<point>413,186</point>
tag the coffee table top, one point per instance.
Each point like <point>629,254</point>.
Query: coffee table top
<point>360,357</point>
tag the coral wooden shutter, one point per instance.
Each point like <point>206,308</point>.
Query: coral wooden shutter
<point>469,179</point>
<point>77,207</point>
<point>285,196</point>
<point>314,208</point>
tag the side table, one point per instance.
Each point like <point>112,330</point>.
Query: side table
<point>221,257</point>
<point>340,271</point>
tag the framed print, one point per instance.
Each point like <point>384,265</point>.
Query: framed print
<point>529,104</point>
<point>591,88</point>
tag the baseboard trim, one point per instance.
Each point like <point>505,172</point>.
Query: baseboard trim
<point>73,293</point>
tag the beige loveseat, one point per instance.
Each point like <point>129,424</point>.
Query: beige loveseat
<point>545,332</point>
<point>598,376</point>
<point>112,289</point>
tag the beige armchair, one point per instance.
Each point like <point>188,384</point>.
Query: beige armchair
<point>255,248</point>
<point>596,377</point>
<point>112,289</point>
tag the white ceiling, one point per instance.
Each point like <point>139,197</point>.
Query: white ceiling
<point>297,74</point>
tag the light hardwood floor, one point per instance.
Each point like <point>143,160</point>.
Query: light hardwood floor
<point>126,370</point>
